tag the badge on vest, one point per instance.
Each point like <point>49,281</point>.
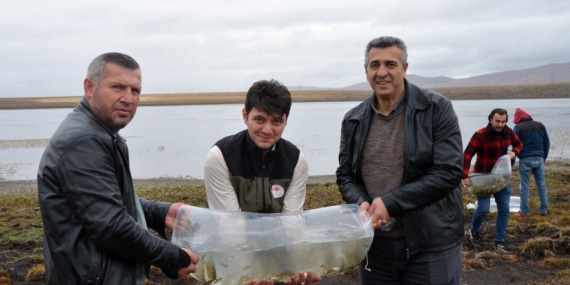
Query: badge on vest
<point>277,191</point>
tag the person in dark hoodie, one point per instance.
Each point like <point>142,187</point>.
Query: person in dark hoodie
<point>536,143</point>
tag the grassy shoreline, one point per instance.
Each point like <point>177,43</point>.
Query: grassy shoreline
<point>529,91</point>
<point>542,243</point>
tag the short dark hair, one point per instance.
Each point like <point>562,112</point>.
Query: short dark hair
<point>385,42</point>
<point>96,70</point>
<point>269,96</point>
<point>499,111</point>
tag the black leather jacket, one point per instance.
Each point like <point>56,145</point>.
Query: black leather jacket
<point>87,202</point>
<point>429,200</point>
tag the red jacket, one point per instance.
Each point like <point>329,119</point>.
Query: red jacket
<point>489,146</point>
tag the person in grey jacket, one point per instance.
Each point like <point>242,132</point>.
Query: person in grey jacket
<point>95,226</point>
<point>401,159</point>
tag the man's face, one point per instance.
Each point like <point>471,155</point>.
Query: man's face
<point>115,99</point>
<point>498,122</point>
<point>385,72</point>
<point>264,129</point>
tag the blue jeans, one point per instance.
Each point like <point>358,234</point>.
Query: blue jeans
<point>503,199</point>
<point>534,165</point>
<point>388,263</point>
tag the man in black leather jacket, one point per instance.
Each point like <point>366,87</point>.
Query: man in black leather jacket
<point>95,226</point>
<point>401,160</point>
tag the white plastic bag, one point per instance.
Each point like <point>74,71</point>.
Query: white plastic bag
<point>236,247</point>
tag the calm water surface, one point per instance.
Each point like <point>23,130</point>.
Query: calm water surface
<point>172,141</point>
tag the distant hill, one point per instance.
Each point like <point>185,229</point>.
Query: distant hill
<point>550,73</point>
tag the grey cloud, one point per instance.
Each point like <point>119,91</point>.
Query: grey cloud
<point>186,46</point>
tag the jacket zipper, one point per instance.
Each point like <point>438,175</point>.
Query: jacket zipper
<point>101,271</point>
<point>406,155</point>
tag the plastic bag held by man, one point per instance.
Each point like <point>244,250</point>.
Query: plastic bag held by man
<point>237,247</point>
<point>485,184</point>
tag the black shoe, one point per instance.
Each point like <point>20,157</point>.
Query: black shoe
<point>502,246</point>
<point>475,238</point>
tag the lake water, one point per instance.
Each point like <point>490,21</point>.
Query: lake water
<point>172,141</point>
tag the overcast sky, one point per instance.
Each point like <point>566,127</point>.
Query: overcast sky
<point>225,45</point>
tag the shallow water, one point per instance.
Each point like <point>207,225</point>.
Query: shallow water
<point>172,141</point>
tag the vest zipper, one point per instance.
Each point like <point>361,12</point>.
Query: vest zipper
<point>263,184</point>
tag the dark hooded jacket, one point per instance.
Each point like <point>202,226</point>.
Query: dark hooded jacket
<point>533,135</point>
<point>429,200</point>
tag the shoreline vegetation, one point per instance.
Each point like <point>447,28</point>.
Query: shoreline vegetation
<point>542,243</point>
<point>527,91</point>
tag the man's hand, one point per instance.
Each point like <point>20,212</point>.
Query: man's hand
<point>304,279</point>
<point>365,206</point>
<point>379,213</point>
<point>467,182</point>
<point>171,215</point>
<point>194,258</point>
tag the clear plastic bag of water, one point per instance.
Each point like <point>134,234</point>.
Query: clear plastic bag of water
<point>237,247</point>
<point>485,184</point>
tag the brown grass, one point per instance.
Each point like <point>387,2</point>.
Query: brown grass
<point>539,241</point>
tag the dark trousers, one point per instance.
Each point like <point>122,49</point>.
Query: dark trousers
<point>387,263</point>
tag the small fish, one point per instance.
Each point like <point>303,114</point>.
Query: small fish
<point>281,276</point>
<point>205,270</point>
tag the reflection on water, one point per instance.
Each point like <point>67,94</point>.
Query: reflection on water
<point>172,141</point>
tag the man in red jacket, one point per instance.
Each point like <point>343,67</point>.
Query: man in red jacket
<point>490,143</point>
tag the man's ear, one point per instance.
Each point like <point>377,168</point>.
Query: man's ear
<point>88,87</point>
<point>244,115</point>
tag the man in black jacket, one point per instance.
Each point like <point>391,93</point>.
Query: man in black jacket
<point>95,226</point>
<point>401,160</point>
